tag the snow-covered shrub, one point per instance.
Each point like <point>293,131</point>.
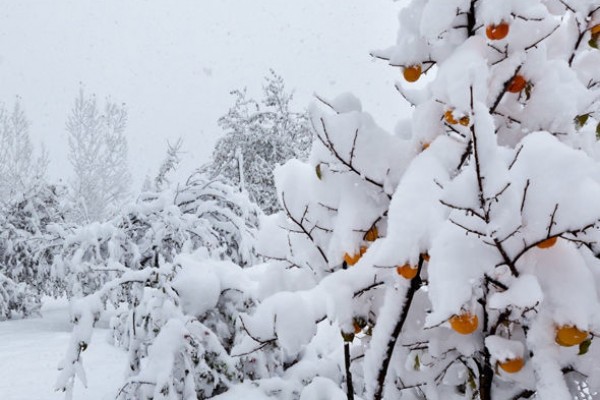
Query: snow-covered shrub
<point>171,264</point>
<point>459,256</point>
<point>258,137</point>
<point>28,243</point>
<point>17,299</point>
<point>180,330</point>
<point>228,216</point>
<point>203,214</point>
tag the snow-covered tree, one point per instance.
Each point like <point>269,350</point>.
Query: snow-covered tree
<point>259,136</point>
<point>19,168</point>
<point>168,166</point>
<point>458,257</point>
<point>174,262</point>
<point>21,174</point>
<point>98,154</point>
<point>28,244</point>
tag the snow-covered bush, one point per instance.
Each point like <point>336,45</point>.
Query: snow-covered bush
<point>258,137</point>
<point>17,299</point>
<point>172,266</point>
<point>458,257</point>
<point>203,214</point>
<point>28,243</point>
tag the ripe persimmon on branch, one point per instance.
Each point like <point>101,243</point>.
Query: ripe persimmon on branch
<point>438,252</point>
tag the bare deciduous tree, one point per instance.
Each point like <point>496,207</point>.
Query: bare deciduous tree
<point>19,168</point>
<point>98,153</point>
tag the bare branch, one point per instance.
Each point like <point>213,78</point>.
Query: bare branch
<point>524,195</point>
<point>303,228</point>
<point>329,145</point>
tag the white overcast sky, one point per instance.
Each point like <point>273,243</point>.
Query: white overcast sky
<point>174,62</point>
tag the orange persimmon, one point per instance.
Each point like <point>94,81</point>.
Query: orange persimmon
<point>512,366</point>
<point>568,336</point>
<point>517,84</point>
<point>353,259</point>
<point>407,271</point>
<point>412,73</point>
<point>465,323</point>
<point>497,32</point>
<point>546,244</point>
<point>449,117</point>
<point>372,234</point>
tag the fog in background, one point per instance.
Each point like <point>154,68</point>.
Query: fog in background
<point>174,62</point>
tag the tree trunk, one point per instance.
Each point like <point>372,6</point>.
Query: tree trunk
<point>486,377</point>
<point>415,284</point>
<point>347,361</point>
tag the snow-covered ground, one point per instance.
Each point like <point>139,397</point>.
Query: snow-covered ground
<point>30,350</point>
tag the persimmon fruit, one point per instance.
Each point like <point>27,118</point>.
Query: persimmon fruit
<point>512,366</point>
<point>465,323</point>
<point>412,73</point>
<point>372,234</point>
<point>449,117</point>
<point>407,271</point>
<point>464,121</point>
<point>517,84</point>
<point>497,32</point>
<point>569,335</point>
<point>353,259</point>
<point>546,244</point>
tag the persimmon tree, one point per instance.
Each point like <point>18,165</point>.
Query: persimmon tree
<point>459,257</point>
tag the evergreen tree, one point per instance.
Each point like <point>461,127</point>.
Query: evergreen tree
<point>259,136</point>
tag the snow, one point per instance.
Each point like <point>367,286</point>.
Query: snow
<point>503,349</point>
<point>322,389</point>
<point>525,291</point>
<point>198,286</point>
<point>345,103</point>
<point>294,323</point>
<point>481,197</point>
<point>30,350</point>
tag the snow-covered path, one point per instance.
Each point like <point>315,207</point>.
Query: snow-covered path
<point>31,349</point>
